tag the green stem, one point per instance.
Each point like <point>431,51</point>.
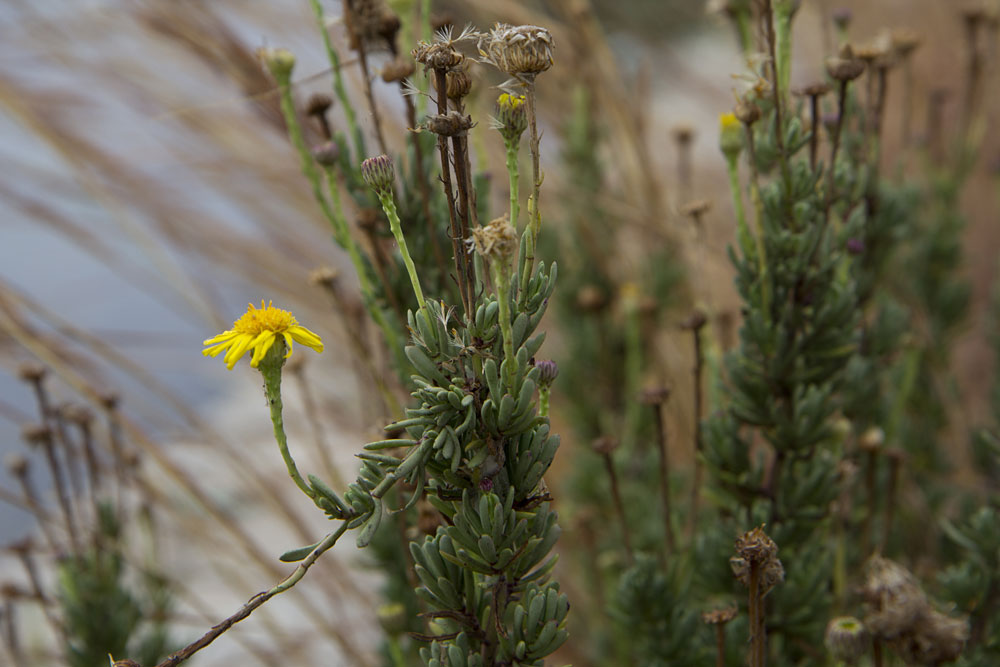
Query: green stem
<point>270,368</point>
<point>338,81</point>
<point>513,176</point>
<point>783,32</point>
<point>633,365</point>
<point>344,238</point>
<point>543,401</point>
<point>501,280</point>
<point>299,142</point>
<point>389,206</point>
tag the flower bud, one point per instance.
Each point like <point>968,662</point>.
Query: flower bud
<point>512,117</point>
<point>326,154</point>
<point>378,173</point>
<point>280,62</point>
<point>730,136</point>
<point>847,638</point>
<point>547,372</point>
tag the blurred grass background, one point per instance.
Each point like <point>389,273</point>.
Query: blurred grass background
<point>148,192</point>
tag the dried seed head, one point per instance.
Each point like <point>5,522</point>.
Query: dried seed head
<point>817,89</point>
<point>280,62</point>
<point>438,56</point>
<point>657,395</point>
<point>696,208</point>
<point>524,50</point>
<point>458,83</point>
<point>109,400</point>
<point>363,20</point>
<point>17,464</point>
<point>31,372</point>
<point>591,298</point>
<point>683,134</point>
<point>905,41</point>
<point>449,124</point>
<point>746,111</point>
<point>730,135</point>
<point>318,104</point>
<point>933,640</point>
<point>398,69</point>
<point>875,53</point>
<point>324,276</point>
<point>893,597</point>
<point>605,445</point>
<point>496,242</point>
<point>547,372</point>
<point>379,174</point>
<point>719,616</point>
<point>37,434</point>
<point>512,117</point>
<point>847,638</point>
<point>845,66</point>
<point>696,320</point>
<point>76,414</point>
<point>872,439</point>
<point>755,548</point>
<point>326,154</point>
<point>388,25</point>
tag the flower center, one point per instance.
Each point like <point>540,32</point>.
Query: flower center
<point>267,318</point>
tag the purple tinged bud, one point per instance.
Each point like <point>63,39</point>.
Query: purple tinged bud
<point>486,485</point>
<point>379,174</point>
<point>855,246</point>
<point>547,372</point>
<point>326,154</point>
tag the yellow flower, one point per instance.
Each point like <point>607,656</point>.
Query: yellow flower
<point>256,330</point>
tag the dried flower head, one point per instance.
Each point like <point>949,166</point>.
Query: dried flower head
<point>318,104</point>
<point>31,372</point>
<point>755,548</point>
<point>449,124</point>
<point>654,395</point>
<point>398,69</point>
<point>379,174</point>
<point>683,134</point>
<point>894,598</point>
<point>846,638</point>
<point>845,66</point>
<point>36,434</point>
<point>458,83</point>
<point>257,330</point>
<point>696,208</point>
<point>17,464</point>
<point>900,614</point>
<point>496,241</point>
<point>905,41</point>
<point>719,616</point>
<point>521,51</point>
<point>326,154</point>
<point>605,444</point>
<point>872,439</point>
<point>591,298</point>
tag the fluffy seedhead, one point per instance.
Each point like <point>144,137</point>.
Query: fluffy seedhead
<point>522,51</point>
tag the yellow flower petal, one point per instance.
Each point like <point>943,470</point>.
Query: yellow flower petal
<point>256,331</point>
